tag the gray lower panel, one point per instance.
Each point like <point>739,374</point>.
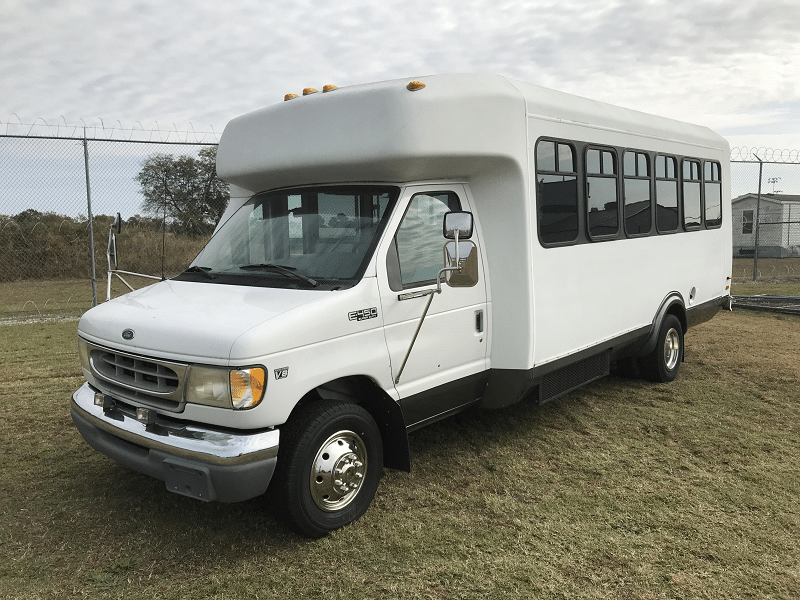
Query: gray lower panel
<point>695,315</point>
<point>439,402</point>
<point>574,375</point>
<point>193,478</point>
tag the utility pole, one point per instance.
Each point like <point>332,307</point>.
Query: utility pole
<point>758,210</point>
<point>91,218</point>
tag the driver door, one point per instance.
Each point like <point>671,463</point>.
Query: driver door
<point>446,369</point>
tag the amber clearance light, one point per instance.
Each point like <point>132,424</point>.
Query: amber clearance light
<point>247,387</point>
<point>415,85</point>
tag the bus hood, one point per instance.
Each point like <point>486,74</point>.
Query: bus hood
<point>188,321</point>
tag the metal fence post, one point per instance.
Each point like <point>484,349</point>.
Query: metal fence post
<point>91,219</point>
<point>758,211</point>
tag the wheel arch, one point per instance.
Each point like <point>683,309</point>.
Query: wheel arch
<point>361,390</point>
<point>673,304</point>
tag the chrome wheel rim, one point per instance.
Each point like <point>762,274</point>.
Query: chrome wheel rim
<point>338,471</point>
<point>672,349</point>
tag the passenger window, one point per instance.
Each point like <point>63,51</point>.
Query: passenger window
<point>556,192</point>
<point>713,192</point>
<point>419,239</point>
<point>692,205</point>
<point>638,209</point>
<point>666,194</point>
<point>602,204</point>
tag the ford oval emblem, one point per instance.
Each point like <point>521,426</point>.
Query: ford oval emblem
<point>128,334</point>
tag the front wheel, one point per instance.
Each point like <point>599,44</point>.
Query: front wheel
<point>332,460</point>
<point>662,364</point>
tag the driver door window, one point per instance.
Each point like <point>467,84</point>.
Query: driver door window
<point>419,239</point>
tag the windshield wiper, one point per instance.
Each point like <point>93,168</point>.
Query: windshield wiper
<point>283,269</point>
<point>204,270</point>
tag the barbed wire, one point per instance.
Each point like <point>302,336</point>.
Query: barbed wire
<point>98,130</point>
<point>770,155</point>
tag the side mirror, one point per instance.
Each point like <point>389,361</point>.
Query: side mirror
<point>111,252</point>
<point>457,221</point>
<point>461,270</point>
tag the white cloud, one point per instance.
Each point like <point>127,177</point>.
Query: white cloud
<point>728,65</point>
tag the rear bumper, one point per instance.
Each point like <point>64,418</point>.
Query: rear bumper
<point>193,460</point>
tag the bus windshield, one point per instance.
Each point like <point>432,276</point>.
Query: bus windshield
<point>315,238</point>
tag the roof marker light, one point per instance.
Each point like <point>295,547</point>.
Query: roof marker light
<point>309,91</point>
<point>415,85</point>
<point>329,88</point>
<point>289,97</point>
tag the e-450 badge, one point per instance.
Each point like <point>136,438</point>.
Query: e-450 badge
<point>364,313</point>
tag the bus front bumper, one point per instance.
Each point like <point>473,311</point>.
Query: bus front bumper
<point>193,460</point>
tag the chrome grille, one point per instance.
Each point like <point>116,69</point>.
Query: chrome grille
<point>136,373</point>
<point>141,380</point>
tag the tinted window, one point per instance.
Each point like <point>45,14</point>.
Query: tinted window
<point>556,192</point>
<point>692,206</point>
<point>713,192</point>
<point>637,201</point>
<point>601,193</point>
<point>666,194</point>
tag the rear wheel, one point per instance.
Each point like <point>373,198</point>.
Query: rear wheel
<point>662,364</point>
<point>332,460</point>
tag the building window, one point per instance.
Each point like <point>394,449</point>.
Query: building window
<point>747,222</point>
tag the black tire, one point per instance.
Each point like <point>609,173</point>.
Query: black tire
<point>330,463</point>
<point>662,364</point>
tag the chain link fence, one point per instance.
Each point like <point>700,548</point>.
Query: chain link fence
<point>61,186</point>
<point>60,192</point>
<point>765,189</point>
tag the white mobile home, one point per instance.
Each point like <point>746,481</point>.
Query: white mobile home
<point>779,219</point>
<point>329,315</point>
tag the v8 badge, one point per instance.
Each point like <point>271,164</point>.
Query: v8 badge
<point>282,373</point>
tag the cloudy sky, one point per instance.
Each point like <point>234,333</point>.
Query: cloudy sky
<point>731,64</point>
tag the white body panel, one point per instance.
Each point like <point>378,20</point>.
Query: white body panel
<point>448,346</point>
<point>540,304</point>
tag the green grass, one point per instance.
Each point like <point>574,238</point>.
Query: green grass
<point>623,489</point>
<point>57,299</point>
<point>770,271</point>
<point>777,289</point>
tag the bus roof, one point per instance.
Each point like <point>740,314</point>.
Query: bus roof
<point>456,126</point>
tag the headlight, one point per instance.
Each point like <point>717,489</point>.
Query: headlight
<point>237,388</point>
<point>208,386</point>
<point>83,353</point>
<point>247,387</point>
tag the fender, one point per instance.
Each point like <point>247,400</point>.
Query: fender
<point>673,304</point>
<point>387,413</point>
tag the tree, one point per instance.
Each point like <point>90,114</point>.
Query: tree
<point>185,189</point>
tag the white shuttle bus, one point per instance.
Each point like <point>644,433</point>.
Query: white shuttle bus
<point>394,253</point>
